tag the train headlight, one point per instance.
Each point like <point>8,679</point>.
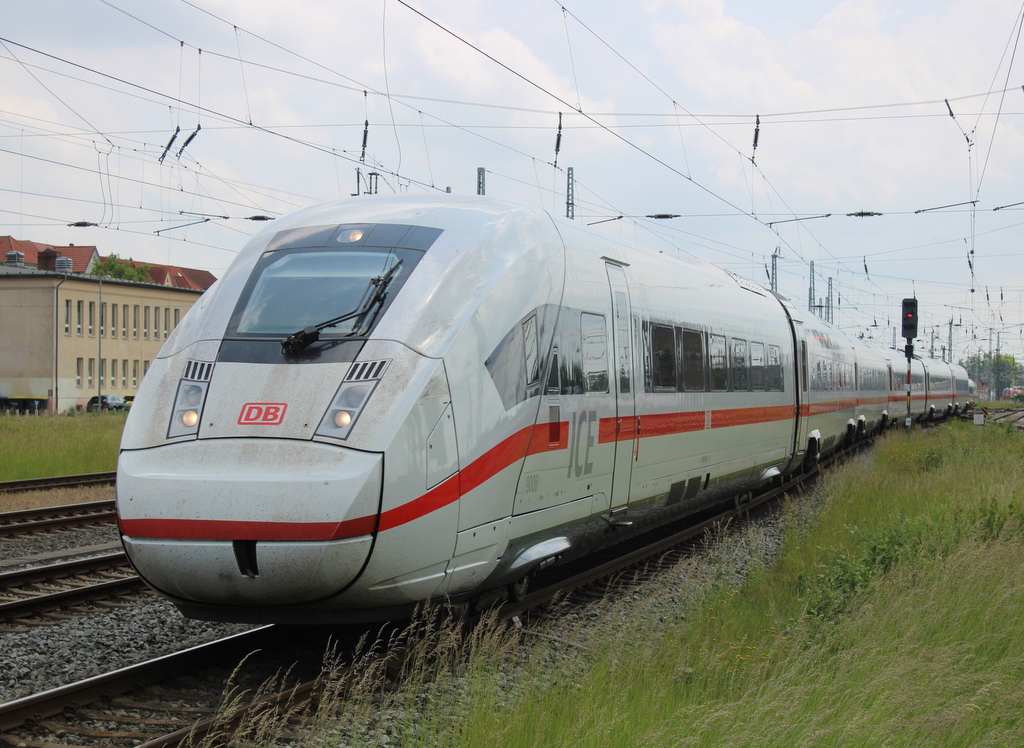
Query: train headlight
<point>192,394</point>
<point>346,405</point>
<point>188,407</point>
<point>353,396</point>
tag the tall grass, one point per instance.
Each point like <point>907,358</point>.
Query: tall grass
<point>41,446</point>
<point>893,616</point>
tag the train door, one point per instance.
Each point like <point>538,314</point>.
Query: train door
<point>801,397</point>
<point>626,424</point>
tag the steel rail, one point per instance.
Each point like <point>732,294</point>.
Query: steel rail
<point>38,707</point>
<point>32,574</point>
<point>58,481</point>
<point>34,602</point>
<point>48,518</point>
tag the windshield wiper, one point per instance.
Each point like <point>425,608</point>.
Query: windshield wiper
<point>375,293</point>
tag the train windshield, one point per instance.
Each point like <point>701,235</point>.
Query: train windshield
<point>295,289</point>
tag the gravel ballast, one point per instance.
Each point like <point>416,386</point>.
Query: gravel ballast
<point>83,644</point>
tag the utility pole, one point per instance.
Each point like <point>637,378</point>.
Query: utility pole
<point>810,291</point>
<point>570,194</point>
<point>950,346</point>
<point>775,269</point>
<point>480,181</point>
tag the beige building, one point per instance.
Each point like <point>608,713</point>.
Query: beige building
<point>67,337</point>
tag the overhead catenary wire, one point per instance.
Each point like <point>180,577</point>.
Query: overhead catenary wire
<point>393,96</point>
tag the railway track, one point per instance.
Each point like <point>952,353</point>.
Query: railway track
<point>39,590</point>
<point>144,704</point>
<point>45,519</point>
<point>60,481</point>
<point>1014,417</point>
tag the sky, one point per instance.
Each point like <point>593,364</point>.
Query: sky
<point>889,133</point>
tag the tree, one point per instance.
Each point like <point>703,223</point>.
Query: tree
<point>115,267</point>
<point>998,372</point>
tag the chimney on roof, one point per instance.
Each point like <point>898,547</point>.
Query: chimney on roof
<point>46,259</point>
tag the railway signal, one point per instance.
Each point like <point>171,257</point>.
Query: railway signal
<point>909,319</point>
<point>909,332</point>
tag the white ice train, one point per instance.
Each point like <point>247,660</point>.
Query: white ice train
<point>390,400</point>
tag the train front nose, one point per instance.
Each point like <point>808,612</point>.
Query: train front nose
<point>258,522</point>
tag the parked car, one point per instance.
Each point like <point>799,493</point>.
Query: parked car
<point>107,402</point>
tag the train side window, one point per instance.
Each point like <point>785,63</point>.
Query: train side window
<point>554,385</point>
<point>531,350</point>
<point>774,369</point>
<point>594,338</point>
<point>663,357</point>
<point>693,361</point>
<point>803,361</point>
<point>757,378</point>
<point>740,372</point>
<point>719,370</point>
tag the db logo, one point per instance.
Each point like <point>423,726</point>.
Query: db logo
<point>262,414</point>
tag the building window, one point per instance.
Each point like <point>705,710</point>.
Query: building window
<point>135,322</point>
<point>79,365</point>
<point>175,318</point>
<point>145,368</point>
<point>145,322</point>
<point>103,371</point>
<point>167,321</point>
<point>103,319</point>
<point>113,372</point>
<point>92,318</point>
<point>124,321</point>
<point>135,372</point>
<point>80,307</point>
<point>113,320</point>
<point>156,323</point>
<point>92,369</point>
<point>67,316</point>
<point>124,373</point>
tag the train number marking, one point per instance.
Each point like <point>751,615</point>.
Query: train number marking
<point>579,457</point>
<point>262,414</point>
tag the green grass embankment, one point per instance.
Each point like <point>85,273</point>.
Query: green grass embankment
<point>42,446</point>
<point>892,616</point>
<point>895,619</point>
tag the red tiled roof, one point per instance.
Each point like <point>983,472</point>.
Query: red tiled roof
<point>178,277</point>
<point>81,257</point>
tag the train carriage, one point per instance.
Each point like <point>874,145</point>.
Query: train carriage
<point>388,400</point>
